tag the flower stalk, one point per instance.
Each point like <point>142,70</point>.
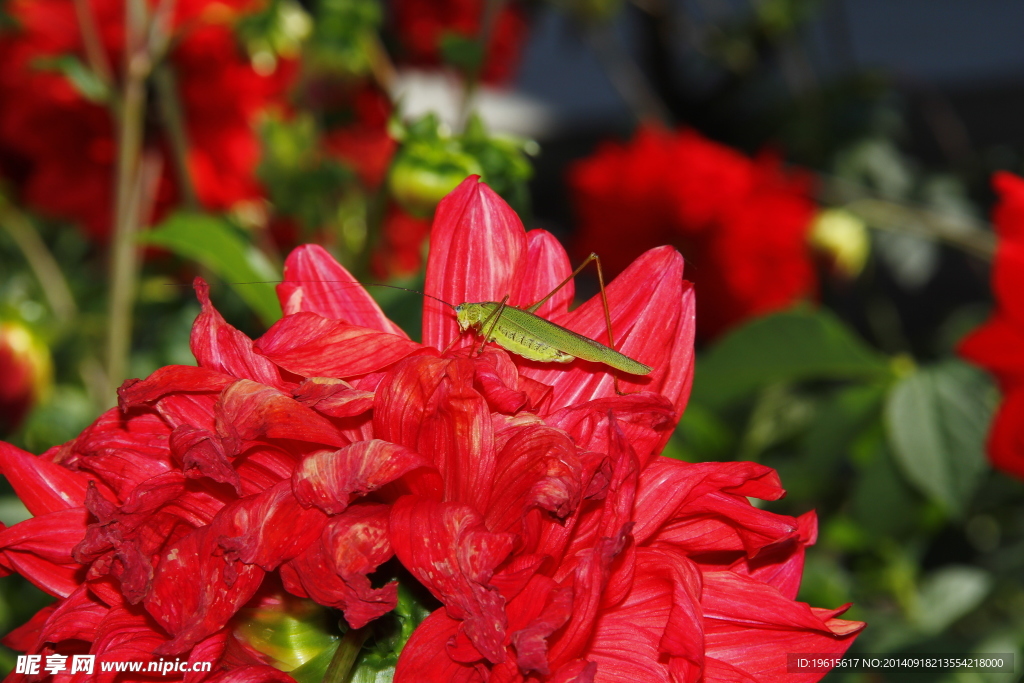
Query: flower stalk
<point>124,251</point>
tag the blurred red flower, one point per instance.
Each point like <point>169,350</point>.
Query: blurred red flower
<point>59,147</point>
<point>529,499</point>
<point>422,27</point>
<point>742,224</point>
<point>999,344</point>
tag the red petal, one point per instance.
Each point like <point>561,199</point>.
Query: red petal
<point>333,570</point>
<point>536,467</point>
<point>545,266</point>
<point>248,411</point>
<point>124,636</point>
<point>668,487</point>
<point>269,528</point>
<point>314,282</point>
<point>219,346</point>
<point>646,420</point>
<point>333,397</point>
<point>40,550</point>
<point>752,627</point>
<point>330,479</point>
<point>170,379</point>
<point>999,346</point>
<point>123,450</point>
<point>476,244</point>
<point>429,406</point>
<point>196,589</point>
<point>1006,440</point>
<point>449,550</point>
<point>201,454</point>
<point>313,346</point>
<point>424,658</point>
<point>658,622</point>
<point>40,484</point>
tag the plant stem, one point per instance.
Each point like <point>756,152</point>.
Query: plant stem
<point>40,260</point>
<point>345,656</point>
<point>626,77</point>
<point>124,251</point>
<point>94,52</point>
<point>174,124</point>
<point>960,231</point>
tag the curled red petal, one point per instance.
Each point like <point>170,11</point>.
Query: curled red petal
<point>196,588</point>
<point>220,347</point>
<point>122,450</point>
<point>247,411</point>
<point>201,454</point>
<point>170,379</point>
<point>449,550</point>
<point>311,345</point>
<point>269,528</point>
<point>315,283</point>
<point>425,659</point>
<point>333,397</point>
<point>668,487</point>
<point>330,479</point>
<point>334,570</point>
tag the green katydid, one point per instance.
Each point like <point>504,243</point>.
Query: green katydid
<point>522,332</point>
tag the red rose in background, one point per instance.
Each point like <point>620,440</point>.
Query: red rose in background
<point>741,224</point>
<point>59,148</point>
<point>999,344</point>
<point>422,25</point>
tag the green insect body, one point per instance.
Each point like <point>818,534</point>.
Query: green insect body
<point>535,338</point>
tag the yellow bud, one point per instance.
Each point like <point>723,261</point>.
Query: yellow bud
<point>844,238</point>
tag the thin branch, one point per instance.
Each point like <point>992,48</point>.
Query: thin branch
<point>40,260</point>
<point>626,77</point>
<point>963,232</point>
<point>94,52</point>
<point>177,134</point>
<point>124,250</point>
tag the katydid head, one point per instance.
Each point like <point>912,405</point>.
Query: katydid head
<point>469,315</point>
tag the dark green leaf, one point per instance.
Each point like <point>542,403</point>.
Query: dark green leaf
<point>937,419</point>
<point>214,243</point>
<point>785,347</point>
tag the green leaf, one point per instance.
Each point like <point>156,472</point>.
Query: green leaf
<point>214,243</point>
<point>85,80</point>
<point>948,594</point>
<point>937,419</point>
<point>785,347</point>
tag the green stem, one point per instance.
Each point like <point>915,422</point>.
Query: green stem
<point>41,261</point>
<point>174,123</point>
<point>340,668</point>
<point>124,250</point>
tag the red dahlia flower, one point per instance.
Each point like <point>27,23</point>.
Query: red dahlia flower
<point>59,148</point>
<point>529,500</point>
<point>741,223</point>
<point>999,344</point>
